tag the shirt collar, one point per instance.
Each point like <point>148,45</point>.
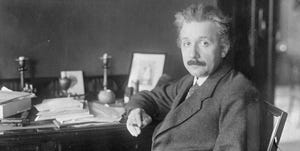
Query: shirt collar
<point>199,80</point>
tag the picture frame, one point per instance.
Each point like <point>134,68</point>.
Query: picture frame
<point>77,83</point>
<point>146,69</point>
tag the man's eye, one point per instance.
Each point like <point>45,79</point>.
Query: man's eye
<point>186,43</point>
<point>204,43</point>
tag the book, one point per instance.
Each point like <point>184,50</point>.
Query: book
<point>12,102</point>
<point>8,96</point>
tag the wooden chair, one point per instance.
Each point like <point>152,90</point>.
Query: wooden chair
<point>277,126</point>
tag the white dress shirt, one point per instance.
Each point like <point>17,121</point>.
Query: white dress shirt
<point>199,80</point>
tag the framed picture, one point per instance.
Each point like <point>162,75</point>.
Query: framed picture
<point>77,83</point>
<point>146,69</point>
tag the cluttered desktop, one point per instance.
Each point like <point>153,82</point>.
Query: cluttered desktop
<point>67,116</point>
<point>64,123</point>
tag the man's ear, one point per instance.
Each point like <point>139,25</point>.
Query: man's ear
<point>224,50</point>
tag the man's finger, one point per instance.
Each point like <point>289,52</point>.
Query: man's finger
<point>138,118</point>
<point>131,129</point>
<point>129,126</point>
<point>134,131</point>
<point>137,130</point>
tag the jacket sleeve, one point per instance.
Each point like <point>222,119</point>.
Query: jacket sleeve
<point>156,103</point>
<point>233,120</point>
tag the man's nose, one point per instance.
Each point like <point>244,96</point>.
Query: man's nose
<point>194,53</point>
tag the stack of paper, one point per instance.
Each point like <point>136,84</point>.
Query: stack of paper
<point>70,112</point>
<point>102,115</point>
<point>62,110</point>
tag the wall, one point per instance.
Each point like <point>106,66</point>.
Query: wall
<point>288,61</point>
<point>288,73</point>
<point>72,34</point>
<point>289,25</point>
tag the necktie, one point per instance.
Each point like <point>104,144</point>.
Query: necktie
<point>192,90</point>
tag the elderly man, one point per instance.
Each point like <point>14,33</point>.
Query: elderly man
<point>207,109</point>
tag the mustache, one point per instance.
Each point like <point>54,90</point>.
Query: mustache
<point>195,62</point>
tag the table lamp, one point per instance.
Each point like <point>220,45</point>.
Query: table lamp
<point>106,96</point>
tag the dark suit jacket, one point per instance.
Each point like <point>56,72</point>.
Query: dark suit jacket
<point>213,118</point>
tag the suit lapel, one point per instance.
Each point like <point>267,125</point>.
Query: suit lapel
<point>182,112</point>
<point>182,92</point>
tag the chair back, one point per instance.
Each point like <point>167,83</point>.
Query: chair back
<point>277,126</point>
<point>253,125</point>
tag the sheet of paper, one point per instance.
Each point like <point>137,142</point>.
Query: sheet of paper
<point>104,113</point>
<point>58,104</point>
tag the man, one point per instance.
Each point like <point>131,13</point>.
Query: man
<point>214,115</point>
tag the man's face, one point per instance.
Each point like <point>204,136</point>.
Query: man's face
<point>200,46</point>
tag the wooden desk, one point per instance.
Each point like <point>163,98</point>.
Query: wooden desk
<point>108,137</point>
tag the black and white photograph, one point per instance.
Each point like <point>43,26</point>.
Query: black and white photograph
<point>149,75</point>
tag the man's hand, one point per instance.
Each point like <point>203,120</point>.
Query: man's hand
<point>137,119</point>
